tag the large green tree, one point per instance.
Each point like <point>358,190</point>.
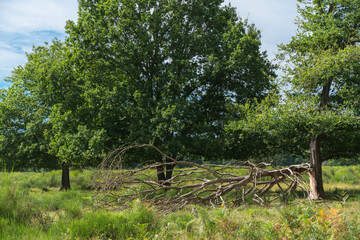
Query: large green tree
<point>167,72</point>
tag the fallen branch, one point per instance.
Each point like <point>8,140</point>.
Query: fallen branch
<point>192,183</point>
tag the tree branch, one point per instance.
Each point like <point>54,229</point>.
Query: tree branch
<point>191,183</point>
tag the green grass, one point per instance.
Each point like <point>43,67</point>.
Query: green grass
<point>32,207</point>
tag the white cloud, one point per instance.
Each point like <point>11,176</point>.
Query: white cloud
<point>5,45</point>
<point>10,59</point>
<point>275,19</point>
<point>24,23</point>
<point>33,15</point>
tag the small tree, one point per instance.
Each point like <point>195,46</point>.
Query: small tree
<point>324,62</point>
<point>28,105</point>
<point>321,109</point>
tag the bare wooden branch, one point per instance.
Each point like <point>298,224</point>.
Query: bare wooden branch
<point>191,183</point>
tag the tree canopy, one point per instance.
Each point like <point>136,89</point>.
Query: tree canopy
<point>171,69</point>
<point>162,72</point>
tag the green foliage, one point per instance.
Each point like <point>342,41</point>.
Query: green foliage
<point>22,121</point>
<point>29,109</point>
<point>154,72</point>
<point>325,51</point>
<point>286,127</point>
<point>165,73</point>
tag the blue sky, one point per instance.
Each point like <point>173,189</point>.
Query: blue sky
<point>25,23</point>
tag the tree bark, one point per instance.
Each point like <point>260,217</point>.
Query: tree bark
<point>65,178</point>
<point>165,173</point>
<point>325,95</point>
<point>169,171</point>
<point>315,174</point>
<point>160,173</point>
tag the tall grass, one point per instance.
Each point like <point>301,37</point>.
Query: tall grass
<point>136,223</point>
<point>31,207</point>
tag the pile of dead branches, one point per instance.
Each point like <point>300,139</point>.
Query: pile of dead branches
<point>192,183</point>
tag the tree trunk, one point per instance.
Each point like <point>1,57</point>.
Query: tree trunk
<point>169,171</point>
<point>160,173</point>
<point>65,177</point>
<point>165,173</point>
<point>315,174</point>
<point>325,95</point>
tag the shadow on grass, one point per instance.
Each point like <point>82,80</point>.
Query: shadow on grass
<point>335,194</point>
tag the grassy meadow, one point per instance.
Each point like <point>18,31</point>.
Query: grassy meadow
<point>32,207</point>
